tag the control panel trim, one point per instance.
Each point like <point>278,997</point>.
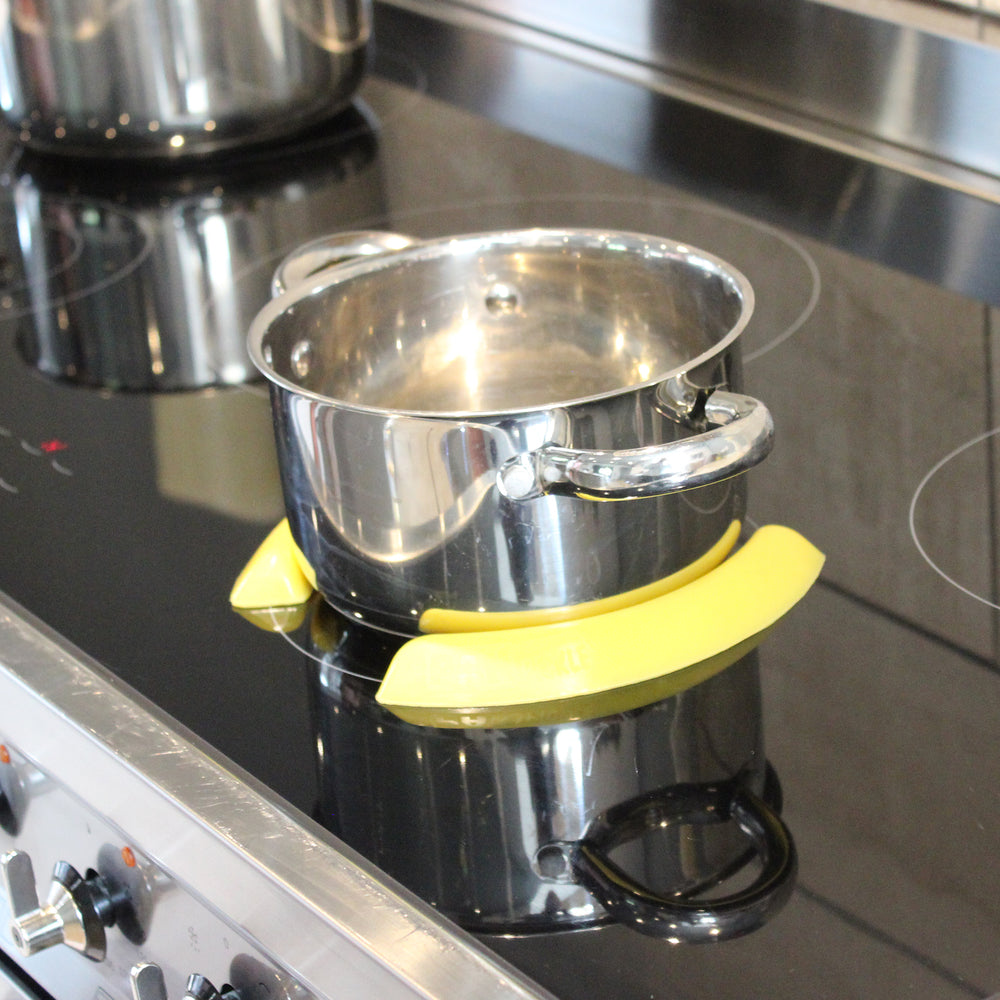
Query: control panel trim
<point>339,927</point>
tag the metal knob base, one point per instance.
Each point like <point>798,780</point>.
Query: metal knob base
<point>75,913</point>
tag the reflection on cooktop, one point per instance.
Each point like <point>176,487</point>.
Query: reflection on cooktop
<point>519,825</point>
<point>150,284</point>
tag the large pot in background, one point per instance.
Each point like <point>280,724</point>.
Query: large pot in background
<point>653,818</point>
<point>166,79</point>
<point>451,418</point>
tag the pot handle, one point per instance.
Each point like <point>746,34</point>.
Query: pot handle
<point>741,436</point>
<point>682,918</point>
<point>327,251</point>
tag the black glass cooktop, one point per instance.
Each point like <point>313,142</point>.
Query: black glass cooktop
<point>137,472</point>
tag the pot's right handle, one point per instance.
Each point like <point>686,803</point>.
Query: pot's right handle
<point>741,435</point>
<point>682,918</point>
<point>317,255</point>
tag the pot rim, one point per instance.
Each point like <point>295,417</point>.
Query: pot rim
<point>645,244</point>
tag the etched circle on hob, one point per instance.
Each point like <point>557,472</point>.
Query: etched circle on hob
<point>951,517</point>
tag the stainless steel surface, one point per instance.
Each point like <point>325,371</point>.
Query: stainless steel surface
<point>887,91</point>
<point>970,19</point>
<point>417,394</point>
<point>153,77</point>
<point>18,883</point>
<point>12,988</point>
<point>308,260</point>
<point>147,982</point>
<point>235,879</point>
<point>508,817</point>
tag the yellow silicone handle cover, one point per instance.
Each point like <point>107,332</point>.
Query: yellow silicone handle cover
<point>607,663</point>
<point>274,587</point>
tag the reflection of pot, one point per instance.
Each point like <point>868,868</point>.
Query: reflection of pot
<point>152,78</point>
<point>558,826</point>
<point>153,285</point>
<point>449,415</point>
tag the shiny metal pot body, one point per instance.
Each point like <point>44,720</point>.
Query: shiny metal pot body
<point>452,417</point>
<point>162,78</point>
<point>510,830</point>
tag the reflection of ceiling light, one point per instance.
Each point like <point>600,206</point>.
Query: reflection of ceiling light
<point>177,141</point>
<point>464,345</point>
<point>469,346</point>
<point>155,351</point>
<point>569,749</point>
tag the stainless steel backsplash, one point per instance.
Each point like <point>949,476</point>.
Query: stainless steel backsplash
<point>906,82</point>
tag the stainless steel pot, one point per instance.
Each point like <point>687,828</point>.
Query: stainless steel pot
<point>450,417</point>
<point>650,818</point>
<point>160,78</point>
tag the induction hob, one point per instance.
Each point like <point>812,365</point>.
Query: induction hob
<point>137,469</point>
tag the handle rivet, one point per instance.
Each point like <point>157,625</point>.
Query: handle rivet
<point>517,481</point>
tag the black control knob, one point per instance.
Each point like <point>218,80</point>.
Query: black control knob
<point>76,911</point>
<point>13,798</point>
<point>8,819</point>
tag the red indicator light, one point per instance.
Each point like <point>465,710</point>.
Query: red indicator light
<point>4,755</point>
<point>128,857</point>
<point>49,447</point>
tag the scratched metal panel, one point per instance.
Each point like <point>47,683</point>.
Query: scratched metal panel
<point>935,93</point>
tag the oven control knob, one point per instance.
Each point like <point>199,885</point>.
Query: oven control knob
<point>75,913</point>
<point>147,982</point>
<point>15,779</point>
<point>8,818</point>
<point>199,988</point>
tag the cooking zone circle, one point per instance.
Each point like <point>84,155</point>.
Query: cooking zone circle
<point>44,247</point>
<point>951,476</point>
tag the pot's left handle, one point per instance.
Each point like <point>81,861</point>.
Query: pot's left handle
<point>317,255</point>
<point>741,435</point>
<point>683,918</point>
